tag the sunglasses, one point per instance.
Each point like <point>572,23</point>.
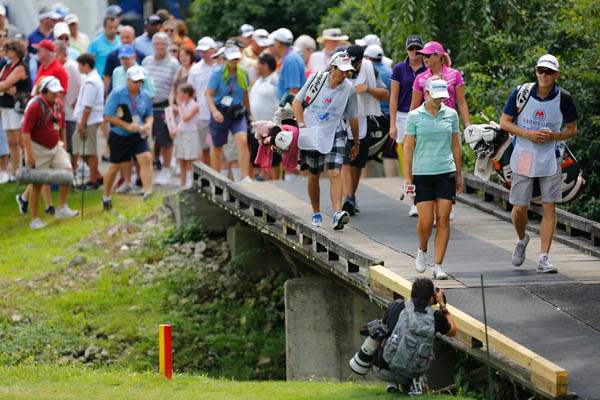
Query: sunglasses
<point>545,71</point>
<point>414,48</point>
<point>426,55</point>
<point>169,30</point>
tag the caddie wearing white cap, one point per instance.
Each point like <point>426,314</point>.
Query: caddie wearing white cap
<point>323,108</point>
<point>542,116</point>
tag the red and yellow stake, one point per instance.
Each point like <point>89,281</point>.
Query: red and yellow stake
<point>165,351</point>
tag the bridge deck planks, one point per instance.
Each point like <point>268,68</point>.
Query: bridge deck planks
<point>486,239</point>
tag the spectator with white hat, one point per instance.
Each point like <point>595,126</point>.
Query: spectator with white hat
<point>372,39</point>
<point>128,109</point>
<point>198,77</point>
<point>246,32</point>
<point>62,34</point>
<point>330,39</point>
<point>79,40</point>
<point>291,70</point>
<point>44,30</point>
<point>258,43</point>
<point>227,99</point>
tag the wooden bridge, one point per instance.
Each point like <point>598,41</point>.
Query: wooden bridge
<point>544,328</point>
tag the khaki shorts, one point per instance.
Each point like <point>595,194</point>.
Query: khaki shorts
<point>203,125</point>
<point>56,158</point>
<point>89,146</point>
<point>521,189</point>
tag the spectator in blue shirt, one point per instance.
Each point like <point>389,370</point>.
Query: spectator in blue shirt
<point>128,109</point>
<point>47,18</point>
<point>104,44</point>
<point>291,70</point>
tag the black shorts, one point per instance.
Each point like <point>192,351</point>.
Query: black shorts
<point>160,131</point>
<point>432,187</point>
<point>389,149</point>
<point>363,153</point>
<point>125,148</point>
<point>70,130</point>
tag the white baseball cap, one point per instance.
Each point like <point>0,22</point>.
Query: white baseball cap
<point>2,10</point>
<point>246,30</point>
<point>232,53</point>
<point>61,28</point>
<point>261,37</point>
<point>368,40</point>
<point>548,61</point>
<point>136,73</point>
<point>342,61</point>
<point>206,43</point>
<point>72,19</point>
<point>374,51</point>
<point>282,35</point>
<point>52,84</point>
<point>438,89</point>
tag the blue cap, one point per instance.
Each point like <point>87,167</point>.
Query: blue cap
<point>126,50</point>
<point>113,11</point>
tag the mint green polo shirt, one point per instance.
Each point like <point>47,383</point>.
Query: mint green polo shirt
<point>433,137</point>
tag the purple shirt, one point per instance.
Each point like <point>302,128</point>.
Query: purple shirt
<point>405,75</point>
<point>452,76</point>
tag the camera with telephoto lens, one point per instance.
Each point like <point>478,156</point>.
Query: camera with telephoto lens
<point>375,331</point>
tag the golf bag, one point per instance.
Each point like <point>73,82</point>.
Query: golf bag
<point>489,141</point>
<point>377,129</point>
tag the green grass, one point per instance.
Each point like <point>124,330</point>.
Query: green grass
<point>25,253</point>
<point>52,383</point>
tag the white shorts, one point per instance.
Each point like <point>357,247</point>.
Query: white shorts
<point>401,118</point>
<point>11,120</point>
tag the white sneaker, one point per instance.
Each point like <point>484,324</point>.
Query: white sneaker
<point>124,188</point>
<point>545,266</point>
<point>439,273</point>
<point>65,212</point>
<point>4,177</point>
<point>162,178</point>
<point>37,224</point>
<point>421,261</point>
<point>247,180</point>
<point>413,211</point>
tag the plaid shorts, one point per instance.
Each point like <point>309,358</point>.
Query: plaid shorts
<point>315,161</point>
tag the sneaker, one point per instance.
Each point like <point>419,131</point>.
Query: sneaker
<point>107,204</point>
<point>4,177</point>
<point>451,215</point>
<point>439,273</point>
<point>421,261</point>
<point>247,180</point>
<point>12,177</point>
<point>22,204</point>
<point>349,205</point>
<point>518,256</point>
<point>317,219</point>
<point>124,188</point>
<point>50,210</point>
<point>162,178</point>
<point>413,211</point>
<point>157,165</point>
<point>340,219</point>
<point>392,388</point>
<point>545,266</point>
<point>147,195</point>
<point>37,224</point>
<point>417,387</point>
<point>65,212</point>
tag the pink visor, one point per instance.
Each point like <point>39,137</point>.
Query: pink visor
<point>433,48</point>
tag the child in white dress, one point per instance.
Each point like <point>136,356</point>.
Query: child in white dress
<point>186,139</point>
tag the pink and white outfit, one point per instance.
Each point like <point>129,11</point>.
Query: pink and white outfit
<point>187,141</point>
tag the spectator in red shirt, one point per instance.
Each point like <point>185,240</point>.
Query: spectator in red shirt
<point>44,136</point>
<point>49,65</point>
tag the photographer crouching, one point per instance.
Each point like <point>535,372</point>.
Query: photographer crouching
<point>399,347</point>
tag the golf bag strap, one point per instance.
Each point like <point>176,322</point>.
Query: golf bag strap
<point>314,87</point>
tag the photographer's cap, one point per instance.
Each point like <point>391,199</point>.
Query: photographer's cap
<point>136,73</point>
<point>438,89</point>
<point>548,61</point>
<point>342,61</point>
